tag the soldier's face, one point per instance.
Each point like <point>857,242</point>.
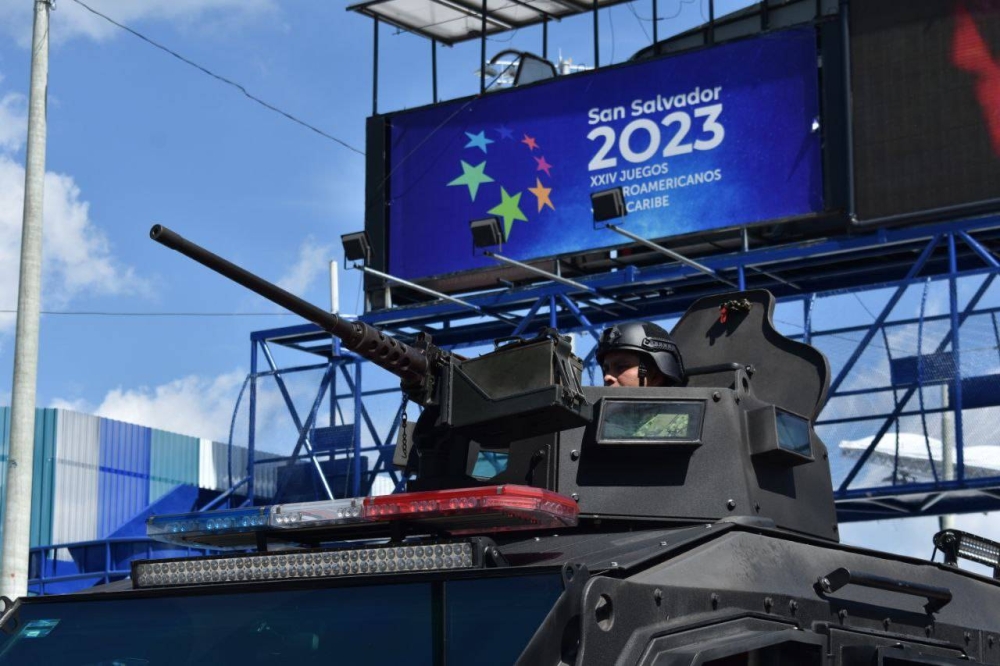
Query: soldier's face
<point>621,368</point>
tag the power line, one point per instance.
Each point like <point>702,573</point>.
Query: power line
<point>218,77</point>
<point>100,313</point>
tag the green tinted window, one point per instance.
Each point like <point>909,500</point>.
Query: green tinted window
<point>365,624</point>
<point>650,421</point>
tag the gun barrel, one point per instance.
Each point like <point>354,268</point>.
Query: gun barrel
<point>407,363</point>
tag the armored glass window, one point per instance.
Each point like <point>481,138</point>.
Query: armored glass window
<point>793,433</point>
<point>649,421</point>
<point>489,464</point>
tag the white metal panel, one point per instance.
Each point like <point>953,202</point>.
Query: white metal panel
<point>206,464</point>
<point>75,501</point>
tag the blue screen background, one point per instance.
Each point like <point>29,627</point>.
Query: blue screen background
<point>769,159</point>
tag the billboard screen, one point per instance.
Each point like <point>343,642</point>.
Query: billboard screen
<point>705,140</point>
<point>926,96</point>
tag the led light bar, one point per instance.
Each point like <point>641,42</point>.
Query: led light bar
<point>312,514</point>
<point>463,511</point>
<point>187,528</point>
<point>957,544</point>
<point>476,510</point>
<point>306,564</point>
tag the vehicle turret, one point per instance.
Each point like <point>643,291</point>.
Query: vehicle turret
<point>734,441</point>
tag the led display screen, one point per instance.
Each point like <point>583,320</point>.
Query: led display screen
<point>716,138</point>
<point>926,99</point>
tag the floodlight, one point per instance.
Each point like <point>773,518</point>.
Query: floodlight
<point>357,247</point>
<point>608,204</point>
<point>486,232</point>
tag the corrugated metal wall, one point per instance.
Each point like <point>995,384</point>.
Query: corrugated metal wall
<point>43,476</point>
<point>173,461</point>
<point>77,472</point>
<point>213,472</point>
<point>93,475</point>
<point>123,485</point>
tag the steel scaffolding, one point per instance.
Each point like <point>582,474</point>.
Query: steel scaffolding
<point>896,264</point>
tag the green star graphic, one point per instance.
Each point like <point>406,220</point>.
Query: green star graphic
<point>473,176</point>
<point>509,209</point>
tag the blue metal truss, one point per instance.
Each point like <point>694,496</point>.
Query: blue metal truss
<point>804,271</point>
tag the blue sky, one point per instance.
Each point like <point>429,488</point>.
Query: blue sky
<point>136,137</point>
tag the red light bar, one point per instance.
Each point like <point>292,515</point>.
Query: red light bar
<point>460,511</point>
<point>478,510</point>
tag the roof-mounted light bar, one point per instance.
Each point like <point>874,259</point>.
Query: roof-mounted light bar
<point>187,528</point>
<point>956,544</point>
<point>482,510</point>
<point>312,564</point>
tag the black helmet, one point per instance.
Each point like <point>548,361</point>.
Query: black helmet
<point>648,340</point>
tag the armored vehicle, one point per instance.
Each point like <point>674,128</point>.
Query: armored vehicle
<point>601,540</point>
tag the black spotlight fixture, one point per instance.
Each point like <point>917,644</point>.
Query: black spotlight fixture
<point>486,232</point>
<point>608,204</point>
<point>357,247</point>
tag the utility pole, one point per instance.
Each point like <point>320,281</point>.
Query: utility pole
<point>17,512</point>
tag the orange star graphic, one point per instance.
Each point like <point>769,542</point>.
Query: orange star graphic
<point>529,141</point>
<point>542,194</point>
<point>543,165</point>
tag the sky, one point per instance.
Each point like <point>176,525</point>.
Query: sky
<point>137,137</point>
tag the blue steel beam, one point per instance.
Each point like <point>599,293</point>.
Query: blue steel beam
<point>956,350</point>
<point>303,428</point>
<point>880,320</point>
<point>978,248</point>
<point>909,392</point>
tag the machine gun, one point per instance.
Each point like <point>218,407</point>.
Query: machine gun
<point>522,390</point>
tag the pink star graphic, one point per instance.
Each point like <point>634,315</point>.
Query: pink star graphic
<point>529,141</point>
<point>543,165</point>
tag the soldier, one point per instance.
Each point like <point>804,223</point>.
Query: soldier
<point>640,354</point>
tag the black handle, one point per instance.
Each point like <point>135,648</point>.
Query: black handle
<point>937,597</point>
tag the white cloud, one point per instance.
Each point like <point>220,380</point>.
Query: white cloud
<point>193,405</point>
<point>71,20</point>
<point>313,262</point>
<point>13,120</point>
<point>202,406</point>
<point>77,255</point>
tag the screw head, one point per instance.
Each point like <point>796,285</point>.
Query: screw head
<point>842,614</point>
<point>576,496</point>
<point>716,396</point>
<point>768,604</point>
<point>793,606</point>
<point>731,504</point>
<point>574,455</point>
<point>714,598</point>
<point>658,596</point>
